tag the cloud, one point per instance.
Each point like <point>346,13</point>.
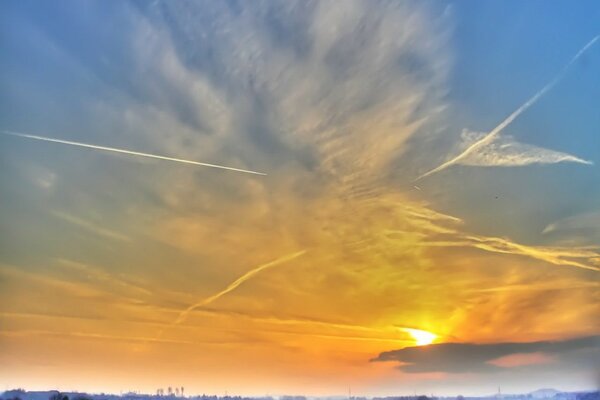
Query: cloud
<point>504,151</point>
<point>581,228</point>
<point>579,257</point>
<point>489,138</point>
<point>439,230</point>
<point>90,336</point>
<point>74,288</point>
<point>482,358</point>
<point>98,275</point>
<point>91,226</point>
<point>232,286</point>
<point>325,100</point>
<point>124,151</point>
<point>521,359</point>
<point>540,286</point>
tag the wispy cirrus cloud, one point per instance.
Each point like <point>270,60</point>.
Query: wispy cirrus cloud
<point>505,151</point>
<point>582,257</point>
<point>438,230</point>
<point>488,139</point>
<point>90,226</point>
<point>325,100</point>
<point>103,277</point>
<point>581,228</point>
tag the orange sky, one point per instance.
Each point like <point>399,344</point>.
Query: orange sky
<point>124,273</point>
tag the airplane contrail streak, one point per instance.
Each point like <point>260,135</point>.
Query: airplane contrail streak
<point>494,132</point>
<point>232,286</point>
<point>130,152</point>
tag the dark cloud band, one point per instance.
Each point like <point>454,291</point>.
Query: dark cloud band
<point>471,357</point>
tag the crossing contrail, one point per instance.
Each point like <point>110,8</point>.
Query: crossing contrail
<point>494,132</point>
<point>130,152</point>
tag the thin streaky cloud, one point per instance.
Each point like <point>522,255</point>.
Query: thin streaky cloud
<point>590,222</point>
<point>90,226</point>
<point>538,287</point>
<point>102,276</point>
<point>93,336</point>
<point>496,131</point>
<point>232,286</point>
<point>556,256</point>
<point>66,287</point>
<point>348,331</point>
<point>130,152</point>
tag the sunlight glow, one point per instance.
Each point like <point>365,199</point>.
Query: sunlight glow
<point>422,338</point>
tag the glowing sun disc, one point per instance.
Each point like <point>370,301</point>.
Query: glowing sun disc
<point>422,338</point>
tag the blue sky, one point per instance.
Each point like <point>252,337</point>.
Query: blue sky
<point>328,261</point>
<point>508,51</point>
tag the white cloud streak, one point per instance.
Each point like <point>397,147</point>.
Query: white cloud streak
<point>587,221</point>
<point>491,136</point>
<point>232,286</point>
<point>129,152</point>
<point>90,226</point>
<point>507,152</point>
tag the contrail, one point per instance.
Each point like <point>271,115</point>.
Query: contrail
<point>494,132</point>
<point>232,286</point>
<point>130,152</point>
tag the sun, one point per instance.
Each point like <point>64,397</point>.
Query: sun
<point>422,338</point>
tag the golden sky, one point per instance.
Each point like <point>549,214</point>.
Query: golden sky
<point>119,272</point>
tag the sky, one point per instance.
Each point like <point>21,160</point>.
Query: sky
<point>422,212</point>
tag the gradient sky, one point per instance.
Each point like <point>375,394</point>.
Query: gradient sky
<point>120,272</point>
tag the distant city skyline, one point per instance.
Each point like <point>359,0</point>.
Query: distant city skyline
<point>544,393</point>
